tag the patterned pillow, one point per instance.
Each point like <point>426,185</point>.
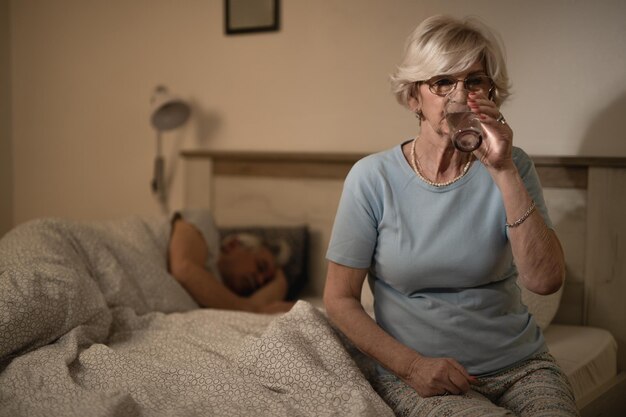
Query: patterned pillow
<point>296,239</point>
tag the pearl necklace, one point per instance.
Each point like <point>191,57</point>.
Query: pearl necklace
<point>415,165</point>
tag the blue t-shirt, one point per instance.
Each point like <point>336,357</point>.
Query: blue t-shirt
<point>439,259</point>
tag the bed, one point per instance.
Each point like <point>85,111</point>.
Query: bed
<point>583,323</point>
<point>92,324</point>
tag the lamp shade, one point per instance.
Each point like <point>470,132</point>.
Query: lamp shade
<point>168,112</point>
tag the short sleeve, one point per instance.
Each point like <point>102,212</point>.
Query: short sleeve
<point>354,234</point>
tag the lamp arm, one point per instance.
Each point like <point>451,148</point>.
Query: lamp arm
<point>158,186</point>
<point>158,180</point>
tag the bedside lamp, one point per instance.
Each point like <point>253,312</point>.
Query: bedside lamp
<point>168,112</point>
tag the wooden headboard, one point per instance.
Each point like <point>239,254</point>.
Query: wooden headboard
<point>586,197</point>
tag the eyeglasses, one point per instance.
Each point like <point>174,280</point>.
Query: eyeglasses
<point>444,85</point>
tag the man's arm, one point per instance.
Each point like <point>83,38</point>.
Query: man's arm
<point>274,291</point>
<point>187,254</point>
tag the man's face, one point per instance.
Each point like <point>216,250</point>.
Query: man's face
<point>245,270</point>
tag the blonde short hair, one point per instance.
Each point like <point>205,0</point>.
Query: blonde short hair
<point>445,45</point>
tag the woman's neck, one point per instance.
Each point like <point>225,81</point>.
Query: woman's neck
<point>437,158</point>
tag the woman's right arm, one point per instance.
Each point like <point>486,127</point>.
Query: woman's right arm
<point>428,376</point>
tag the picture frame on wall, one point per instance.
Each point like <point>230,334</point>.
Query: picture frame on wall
<point>250,16</point>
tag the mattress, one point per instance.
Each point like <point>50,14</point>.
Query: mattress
<point>588,355</point>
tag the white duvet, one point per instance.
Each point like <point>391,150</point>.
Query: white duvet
<point>91,324</point>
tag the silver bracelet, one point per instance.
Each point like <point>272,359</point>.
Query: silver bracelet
<point>524,216</point>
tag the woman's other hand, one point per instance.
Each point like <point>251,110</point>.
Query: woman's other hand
<point>496,150</point>
<point>438,376</point>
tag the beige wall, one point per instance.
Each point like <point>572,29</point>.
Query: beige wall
<point>6,165</point>
<point>83,72</point>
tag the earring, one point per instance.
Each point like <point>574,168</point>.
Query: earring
<point>419,115</point>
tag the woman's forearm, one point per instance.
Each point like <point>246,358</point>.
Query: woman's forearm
<point>350,317</point>
<point>536,248</point>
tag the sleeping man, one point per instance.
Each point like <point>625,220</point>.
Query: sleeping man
<point>240,273</point>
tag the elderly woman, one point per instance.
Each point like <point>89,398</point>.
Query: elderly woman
<point>445,237</point>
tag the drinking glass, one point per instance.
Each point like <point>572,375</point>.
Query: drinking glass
<point>466,131</point>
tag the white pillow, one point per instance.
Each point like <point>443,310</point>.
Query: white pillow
<point>542,307</point>
<point>367,299</point>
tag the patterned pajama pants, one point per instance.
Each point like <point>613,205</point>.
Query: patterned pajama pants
<point>536,387</point>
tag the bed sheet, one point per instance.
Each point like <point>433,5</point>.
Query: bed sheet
<point>202,362</point>
<point>93,325</point>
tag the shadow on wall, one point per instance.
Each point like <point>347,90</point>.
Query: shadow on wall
<point>205,124</point>
<point>602,138</point>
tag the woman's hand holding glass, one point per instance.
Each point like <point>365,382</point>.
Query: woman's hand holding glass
<point>496,150</point>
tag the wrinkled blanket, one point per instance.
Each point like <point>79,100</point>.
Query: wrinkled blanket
<point>91,324</point>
